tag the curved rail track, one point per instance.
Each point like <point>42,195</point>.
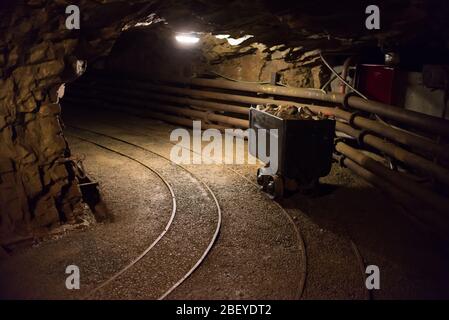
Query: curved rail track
<point>169,223</point>
<point>301,243</point>
<point>301,285</point>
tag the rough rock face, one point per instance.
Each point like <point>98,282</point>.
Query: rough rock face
<point>37,55</point>
<point>316,24</point>
<point>295,66</point>
<point>152,52</point>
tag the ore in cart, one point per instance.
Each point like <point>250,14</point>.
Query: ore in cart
<point>304,152</point>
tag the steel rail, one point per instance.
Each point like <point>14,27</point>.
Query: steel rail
<point>302,284</point>
<point>291,221</point>
<point>212,194</point>
<point>161,235</point>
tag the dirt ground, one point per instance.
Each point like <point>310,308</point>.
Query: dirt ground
<point>345,225</point>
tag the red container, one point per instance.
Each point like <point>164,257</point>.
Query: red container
<point>377,82</point>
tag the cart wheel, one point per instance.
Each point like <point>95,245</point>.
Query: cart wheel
<point>309,186</point>
<point>275,187</point>
<point>260,178</point>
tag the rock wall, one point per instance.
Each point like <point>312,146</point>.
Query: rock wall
<point>152,52</point>
<point>37,56</point>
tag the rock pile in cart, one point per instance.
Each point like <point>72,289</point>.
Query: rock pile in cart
<point>291,112</point>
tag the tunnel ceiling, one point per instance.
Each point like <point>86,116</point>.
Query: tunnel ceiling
<point>314,24</point>
<point>321,24</point>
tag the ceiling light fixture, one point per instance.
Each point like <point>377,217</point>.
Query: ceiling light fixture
<point>222,36</point>
<point>186,38</point>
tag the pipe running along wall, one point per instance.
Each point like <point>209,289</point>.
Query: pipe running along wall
<point>141,90</point>
<point>418,120</point>
<point>168,102</point>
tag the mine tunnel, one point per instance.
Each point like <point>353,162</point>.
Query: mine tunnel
<point>224,150</point>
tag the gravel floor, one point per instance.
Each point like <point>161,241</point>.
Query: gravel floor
<point>257,255</point>
<point>102,249</point>
<point>184,243</point>
<point>348,212</point>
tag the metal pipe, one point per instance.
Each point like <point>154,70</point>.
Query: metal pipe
<point>439,173</point>
<point>409,158</point>
<point>344,73</point>
<point>421,143</point>
<point>419,120</point>
<point>389,132</point>
<point>182,100</point>
<point>340,77</point>
<point>212,95</point>
<point>418,209</point>
<point>405,138</point>
<point>408,186</point>
<point>403,197</point>
<point>157,115</point>
<point>439,203</point>
<point>384,130</point>
<point>181,121</point>
<point>241,123</point>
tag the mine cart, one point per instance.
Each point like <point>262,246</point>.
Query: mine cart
<point>304,152</point>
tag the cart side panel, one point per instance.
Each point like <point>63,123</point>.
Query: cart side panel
<point>262,120</point>
<point>308,148</point>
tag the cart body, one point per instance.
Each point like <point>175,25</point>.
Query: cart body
<point>304,146</point>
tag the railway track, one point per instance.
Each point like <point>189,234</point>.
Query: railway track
<point>169,226</point>
<point>303,255</point>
